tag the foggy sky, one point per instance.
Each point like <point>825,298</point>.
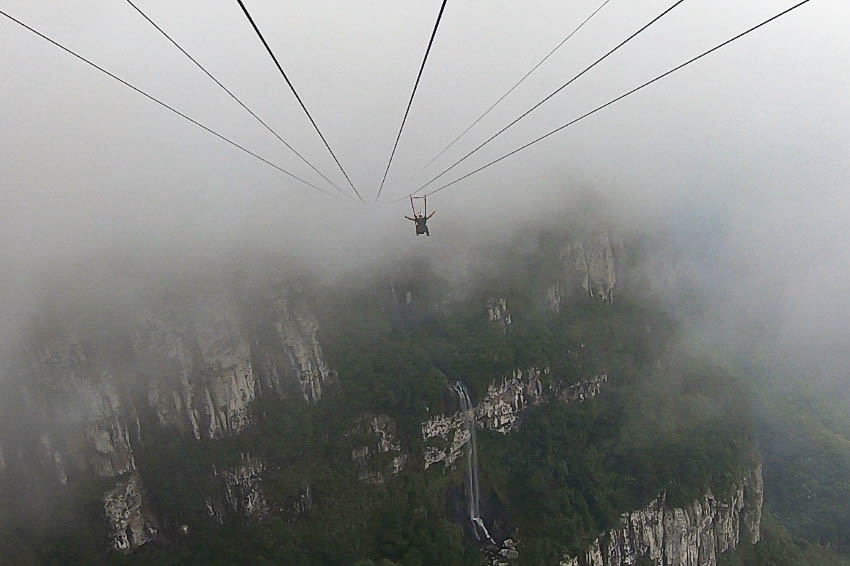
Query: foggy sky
<point>743,156</point>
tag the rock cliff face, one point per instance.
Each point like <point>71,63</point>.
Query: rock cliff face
<point>588,268</point>
<point>508,397</point>
<point>71,396</point>
<point>241,491</point>
<point>79,425</point>
<point>90,400</point>
<point>500,410</point>
<point>130,523</point>
<point>444,436</point>
<point>682,536</point>
<point>198,367</point>
<point>204,372</point>
<point>498,313</point>
<point>381,454</point>
<point>288,355</point>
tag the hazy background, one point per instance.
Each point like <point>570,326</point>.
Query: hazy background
<point>743,157</point>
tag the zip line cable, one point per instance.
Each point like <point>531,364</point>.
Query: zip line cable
<point>514,87</point>
<point>297,97</point>
<point>164,105</point>
<point>556,91</point>
<point>621,97</point>
<point>412,94</point>
<point>230,93</point>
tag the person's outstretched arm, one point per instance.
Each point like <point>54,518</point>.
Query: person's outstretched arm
<point>411,219</point>
<point>430,215</point>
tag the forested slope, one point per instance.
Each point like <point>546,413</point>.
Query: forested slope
<point>295,421</point>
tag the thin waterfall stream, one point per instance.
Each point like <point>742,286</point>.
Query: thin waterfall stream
<point>478,526</point>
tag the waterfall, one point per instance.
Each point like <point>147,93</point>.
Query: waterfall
<point>472,491</point>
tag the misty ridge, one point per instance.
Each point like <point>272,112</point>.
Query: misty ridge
<point>691,266</point>
<point>106,302</point>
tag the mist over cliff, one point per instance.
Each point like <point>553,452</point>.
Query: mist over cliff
<point>126,370</point>
<point>629,343</point>
<point>724,158</point>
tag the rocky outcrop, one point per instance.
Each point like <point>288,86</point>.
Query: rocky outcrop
<point>498,313</point>
<point>598,266</point>
<point>507,398</point>
<point>583,390</point>
<point>554,293</point>
<point>198,367</point>
<point>130,523</point>
<point>204,367</point>
<point>224,369</point>
<point>164,360</point>
<point>500,410</point>
<point>694,535</point>
<point>85,427</point>
<point>444,436</point>
<point>507,552</point>
<point>288,356</point>
<point>588,268</point>
<point>90,394</point>
<point>381,454</point>
<point>74,413</point>
<point>753,487</point>
<point>242,487</point>
<point>242,492</point>
<point>54,457</point>
<point>303,503</point>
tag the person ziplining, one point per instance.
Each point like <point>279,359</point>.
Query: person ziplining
<point>420,218</point>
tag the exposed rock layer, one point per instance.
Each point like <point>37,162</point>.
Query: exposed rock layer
<point>130,523</point>
<point>381,454</point>
<point>694,535</point>
<point>92,398</point>
<point>242,492</point>
<point>500,410</point>
<point>587,266</point>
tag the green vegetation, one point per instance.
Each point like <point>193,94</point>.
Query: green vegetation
<point>779,548</point>
<point>55,527</point>
<point>807,462</point>
<point>569,472</point>
<point>398,359</point>
<point>563,477</point>
<point>349,523</point>
<point>672,422</point>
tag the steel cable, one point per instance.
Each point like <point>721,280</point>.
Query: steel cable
<point>163,104</point>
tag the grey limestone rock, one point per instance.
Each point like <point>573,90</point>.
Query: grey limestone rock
<point>694,535</point>
<point>500,410</point>
<point>130,523</point>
